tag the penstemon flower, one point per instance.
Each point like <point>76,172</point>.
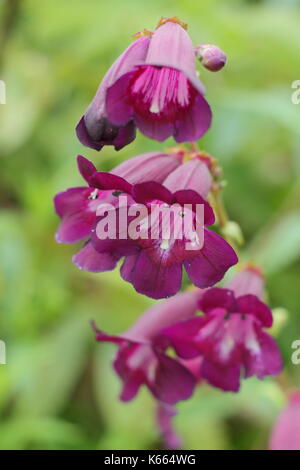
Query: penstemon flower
<point>230,336</point>
<point>162,94</point>
<point>154,264</point>
<point>77,206</point>
<point>139,361</point>
<point>153,86</point>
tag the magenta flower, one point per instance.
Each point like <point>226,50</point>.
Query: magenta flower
<point>153,265</point>
<point>162,94</point>
<point>286,431</point>
<point>230,337</point>
<point>141,361</point>
<point>94,128</point>
<point>77,206</point>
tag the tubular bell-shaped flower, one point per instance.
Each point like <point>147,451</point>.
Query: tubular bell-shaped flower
<point>77,206</point>
<point>230,337</point>
<point>140,361</point>
<point>154,260</point>
<point>162,94</point>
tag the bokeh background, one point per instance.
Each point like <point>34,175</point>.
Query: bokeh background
<point>57,390</point>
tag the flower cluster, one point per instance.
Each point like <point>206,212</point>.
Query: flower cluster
<point>206,333</point>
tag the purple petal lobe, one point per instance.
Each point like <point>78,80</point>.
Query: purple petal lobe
<point>85,138</point>
<point>218,298</point>
<point>150,279</point>
<point>85,167</point>
<point>194,122</point>
<point>189,196</point>
<point>173,382</point>
<point>218,375</point>
<point>151,191</point>
<point>266,360</point>
<point>181,335</point>
<point>77,218</point>
<point>90,260</point>
<point>215,258</point>
<point>108,181</point>
<point>154,129</point>
<point>250,304</point>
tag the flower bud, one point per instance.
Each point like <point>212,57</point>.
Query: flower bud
<point>211,57</point>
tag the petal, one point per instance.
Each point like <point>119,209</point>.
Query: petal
<point>152,166</point>
<point>151,191</point>
<point>126,134</point>
<point>215,258</point>
<point>181,337</point>
<point>103,337</point>
<point>118,108</point>
<point>84,136</point>
<point>218,298</point>
<point>193,174</point>
<point>90,260</point>
<point>173,382</point>
<point>150,279</point>
<point>194,122</point>
<point>189,196</point>
<point>85,167</point>
<point>115,247</point>
<point>249,280</point>
<point>154,129</point>
<point>162,314</point>
<point>250,304</point>
<point>96,132</point>
<point>77,218</point>
<point>226,378</point>
<point>130,388</point>
<point>266,361</point>
<point>104,180</point>
<point>69,201</point>
<point>171,46</point>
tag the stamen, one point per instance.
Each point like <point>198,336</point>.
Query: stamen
<point>161,92</point>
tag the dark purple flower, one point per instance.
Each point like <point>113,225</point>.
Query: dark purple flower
<point>77,206</point>
<point>94,128</point>
<point>141,361</point>
<point>162,94</point>
<point>153,264</point>
<point>230,337</point>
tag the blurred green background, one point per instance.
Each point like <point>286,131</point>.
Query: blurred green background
<point>57,390</point>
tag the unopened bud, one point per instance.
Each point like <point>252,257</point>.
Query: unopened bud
<point>233,231</point>
<point>211,57</point>
<point>280,318</point>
